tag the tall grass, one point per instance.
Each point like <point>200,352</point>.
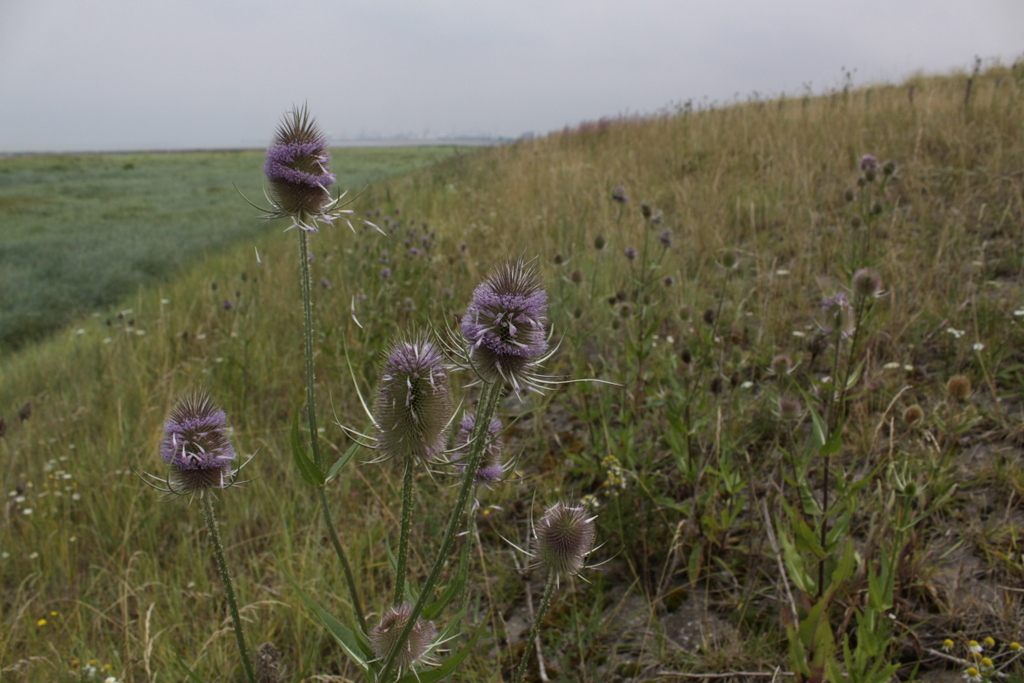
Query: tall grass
<point>688,461</point>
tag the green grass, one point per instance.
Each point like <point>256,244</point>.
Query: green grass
<point>700,482</point>
<point>79,233</point>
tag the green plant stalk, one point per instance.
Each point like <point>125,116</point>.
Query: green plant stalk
<point>489,397</point>
<point>222,567</point>
<point>307,333</point>
<point>314,434</point>
<point>403,539</point>
<point>545,603</point>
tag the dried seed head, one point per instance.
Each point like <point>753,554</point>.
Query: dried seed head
<point>913,415</point>
<point>384,635</point>
<point>297,168</point>
<point>866,282</point>
<point>599,242</point>
<point>491,468</point>
<point>959,387</point>
<point>564,537</point>
<point>196,445</point>
<point>577,276</point>
<point>504,325</point>
<point>789,409</point>
<point>414,403</point>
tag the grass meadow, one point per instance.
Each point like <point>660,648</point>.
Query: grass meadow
<point>784,491</point>
<point>83,232</point>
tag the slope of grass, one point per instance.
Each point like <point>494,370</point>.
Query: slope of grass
<point>710,497</point>
<point>81,232</point>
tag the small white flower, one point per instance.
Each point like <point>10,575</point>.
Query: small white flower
<point>1019,312</point>
<point>140,332</point>
<point>33,556</point>
<point>80,331</point>
<point>908,368</point>
<point>978,346</point>
<point>781,271</point>
<point>746,385</point>
<point>891,366</point>
<point>955,332</point>
<point>798,333</point>
<point>165,301</point>
<point>107,340</point>
<point>27,511</point>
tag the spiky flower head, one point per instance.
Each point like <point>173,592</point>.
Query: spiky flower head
<point>297,166</point>
<point>196,445</point>
<point>564,538</point>
<point>414,404</point>
<point>866,282</point>
<point>491,468</point>
<point>384,635</point>
<point>504,325</point>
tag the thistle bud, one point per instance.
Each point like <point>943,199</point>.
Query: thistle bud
<point>414,403</point>
<point>504,325</point>
<point>297,168</point>
<point>565,536</point>
<point>599,242</point>
<point>196,445</point>
<point>491,468</point>
<point>384,635</point>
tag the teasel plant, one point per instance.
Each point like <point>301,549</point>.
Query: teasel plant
<point>562,540</point>
<point>299,178</point>
<point>199,457</point>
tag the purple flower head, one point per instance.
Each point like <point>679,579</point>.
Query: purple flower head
<point>325,283</point>
<point>619,194</point>
<point>385,273</point>
<point>491,468</point>
<point>414,404</point>
<point>227,305</point>
<point>564,538</point>
<point>630,253</point>
<point>297,166</point>
<point>868,163</point>
<point>665,238</point>
<point>196,445</point>
<point>384,636</point>
<point>504,325</point>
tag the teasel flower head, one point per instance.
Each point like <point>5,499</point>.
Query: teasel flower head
<point>504,327</point>
<point>491,467</point>
<point>384,635</point>
<point>196,446</point>
<point>564,537</point>
<point>297,169</point>
<point>414,405</point>
<point>866,283</point>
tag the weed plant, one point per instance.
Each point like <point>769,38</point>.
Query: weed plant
<point>742,401</point>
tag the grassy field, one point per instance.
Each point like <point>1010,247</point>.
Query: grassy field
<point>79,233</point>
<point>781,487</point>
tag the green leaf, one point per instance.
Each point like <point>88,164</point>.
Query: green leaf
<point>307,468</point>
<point>449,665</point>
<point>342,461</point>
<point>834,444</point>
<point>354,646</point>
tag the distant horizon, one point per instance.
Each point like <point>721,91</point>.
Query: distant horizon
<point>123,75</point>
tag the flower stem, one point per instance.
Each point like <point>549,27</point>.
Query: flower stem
<point>489,397</point>
<point>307,310</point>
<point>545,603</point>
<point>314,434</point>
<point>403,539</point>
<point>218,552</point>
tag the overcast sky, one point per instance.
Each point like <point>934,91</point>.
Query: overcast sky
<point>149,74</point>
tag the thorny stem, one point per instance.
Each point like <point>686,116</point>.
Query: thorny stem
<point>222,567</point>
<point>403,539</point>
<point>545,603</point>
<point>307,311</point>
<point>314,434</point>
<point>489,397</point>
